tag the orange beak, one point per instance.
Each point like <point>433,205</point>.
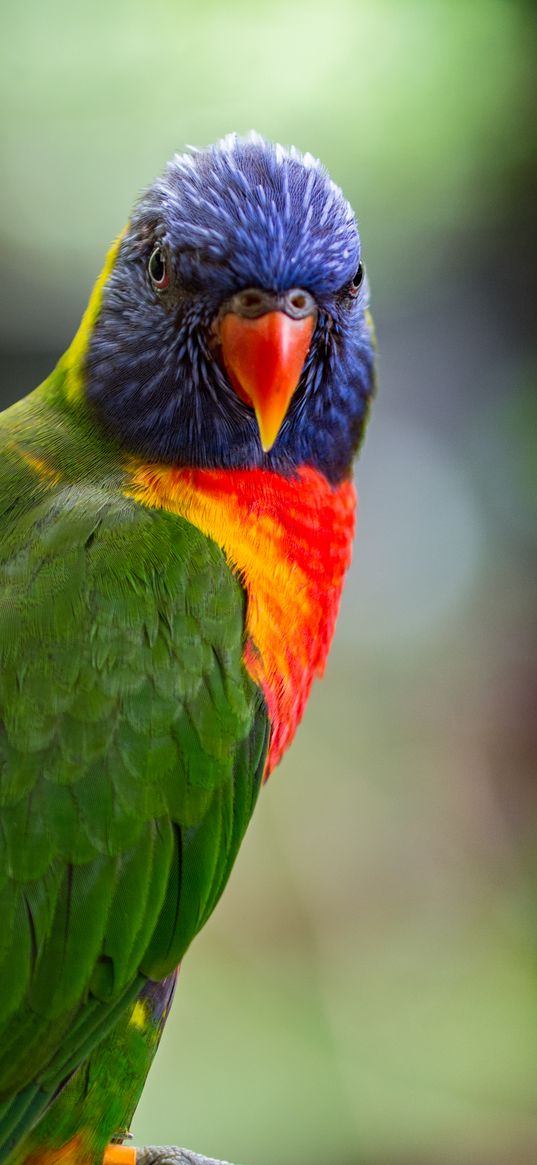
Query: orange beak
<point>264,358</point>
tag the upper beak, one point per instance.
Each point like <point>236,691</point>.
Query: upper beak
<point>264,356</point>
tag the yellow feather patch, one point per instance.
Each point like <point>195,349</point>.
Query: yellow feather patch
<point>41,467</point>
<point>74,356</point>
<point>138,1016</point>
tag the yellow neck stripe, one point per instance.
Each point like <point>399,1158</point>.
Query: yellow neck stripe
<point>76,352</point>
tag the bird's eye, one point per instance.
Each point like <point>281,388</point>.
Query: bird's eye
<point>158,269</point>
<point>357,281</point>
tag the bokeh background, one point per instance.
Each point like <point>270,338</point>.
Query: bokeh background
<point>366,993</point>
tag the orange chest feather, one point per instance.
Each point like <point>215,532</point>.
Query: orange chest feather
<point>289,542</point>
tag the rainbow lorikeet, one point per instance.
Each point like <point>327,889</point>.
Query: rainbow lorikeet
<point>176,517</point>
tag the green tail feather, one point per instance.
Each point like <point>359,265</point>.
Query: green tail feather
<point>17,1116</point>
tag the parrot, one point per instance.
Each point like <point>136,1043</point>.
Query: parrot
<point>177,513</point>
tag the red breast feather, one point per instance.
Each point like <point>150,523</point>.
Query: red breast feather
<point>289,540</point>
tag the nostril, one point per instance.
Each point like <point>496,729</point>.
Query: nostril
<point>299,302</point>
<point>252,302</point>
<point>250,298</point>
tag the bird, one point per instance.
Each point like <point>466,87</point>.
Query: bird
<point>177,512</point>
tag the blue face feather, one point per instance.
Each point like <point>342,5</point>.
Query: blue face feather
<point>241,214</point>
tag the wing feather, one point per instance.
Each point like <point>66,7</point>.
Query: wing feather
<point>132,744</point>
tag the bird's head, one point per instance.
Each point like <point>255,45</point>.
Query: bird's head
<point>233,327</point>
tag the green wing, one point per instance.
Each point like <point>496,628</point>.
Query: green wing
<point>132,744</point>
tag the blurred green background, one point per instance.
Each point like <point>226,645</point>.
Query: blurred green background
<point>366,993</point>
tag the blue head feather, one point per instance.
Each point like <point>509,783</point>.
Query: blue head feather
<point>242,213</point>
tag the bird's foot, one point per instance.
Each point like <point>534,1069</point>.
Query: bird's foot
<point>172,1155</point>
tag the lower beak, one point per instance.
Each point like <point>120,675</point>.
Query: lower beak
<point>264,358</point>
